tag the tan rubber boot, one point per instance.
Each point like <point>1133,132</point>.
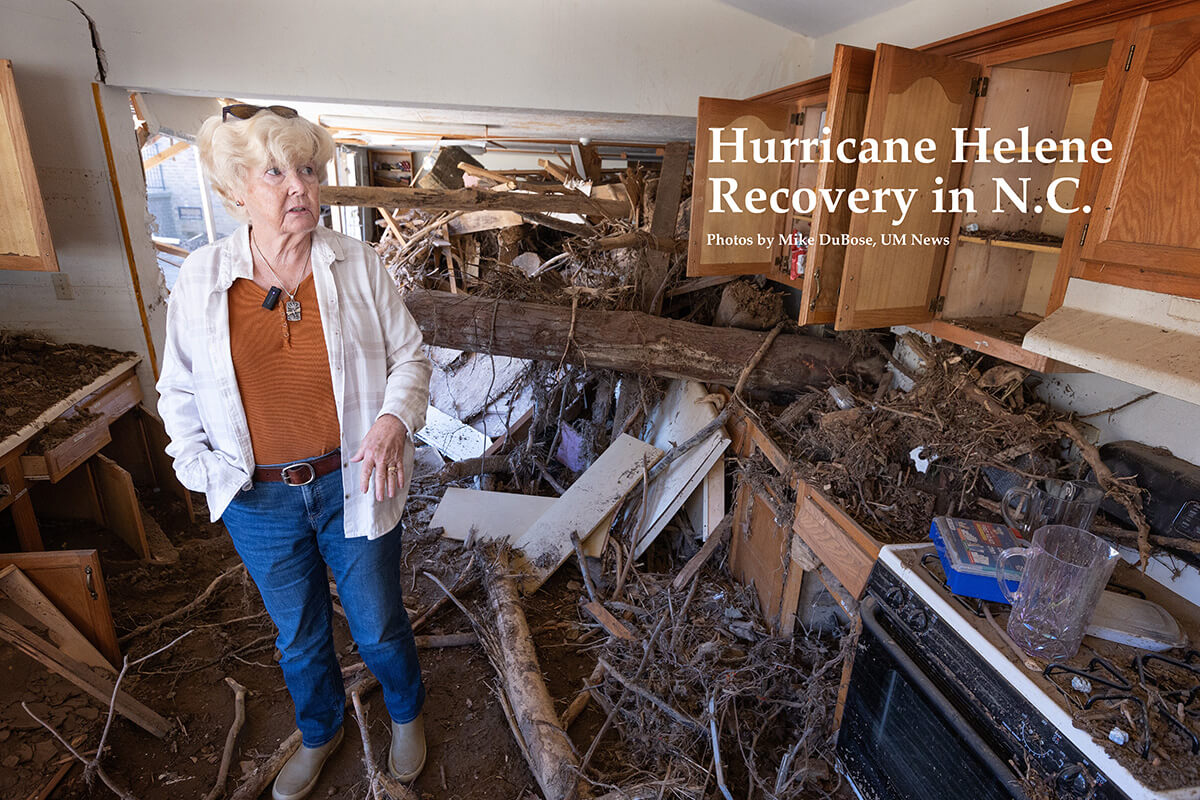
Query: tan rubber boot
<point>406,757</point>
<point>299,775</point>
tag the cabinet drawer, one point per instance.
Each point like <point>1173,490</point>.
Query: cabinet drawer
<point>59,459</point>
<point>116,399</point>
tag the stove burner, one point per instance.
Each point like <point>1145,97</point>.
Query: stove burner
<point>1141,705</point>
<point>1094,672</point>
<point>1172,696</point>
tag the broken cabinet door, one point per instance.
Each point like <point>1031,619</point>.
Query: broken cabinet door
<point>893,271</point>
<point>1146,213</point>
<point>73,582</point>
<point>845,114</point>
<point>724,242</point>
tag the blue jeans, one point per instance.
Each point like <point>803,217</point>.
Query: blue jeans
<point>286,535</point>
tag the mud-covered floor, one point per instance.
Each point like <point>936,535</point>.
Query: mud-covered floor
<point>471,752</point>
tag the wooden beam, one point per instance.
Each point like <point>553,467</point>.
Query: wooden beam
<point>170,152</point>
<point>627,341</point>
<point>100,688</point>
<point>662,226</point>
<point>469,200</point>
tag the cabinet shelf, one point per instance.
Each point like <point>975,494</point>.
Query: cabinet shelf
<point>1036,247</point>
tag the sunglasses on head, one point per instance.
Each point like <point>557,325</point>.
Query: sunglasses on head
<point>246,111</point>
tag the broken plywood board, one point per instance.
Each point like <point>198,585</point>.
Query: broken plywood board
<point>465,392</point>
<point>681,413</point>
<point>21,591</point>
<point>596,494</point>
<point>706,506</point>
<point>502,515</point>
<point>452,438</point>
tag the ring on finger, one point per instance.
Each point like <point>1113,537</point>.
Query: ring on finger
<point>392,468</point>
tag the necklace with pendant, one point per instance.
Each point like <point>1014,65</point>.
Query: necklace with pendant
<point>291,308</point>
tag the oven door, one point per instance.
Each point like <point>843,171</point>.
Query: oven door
<point>902,738</point>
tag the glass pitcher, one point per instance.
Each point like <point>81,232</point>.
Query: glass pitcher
<point>1054,502</point>
<point>1066,569</point>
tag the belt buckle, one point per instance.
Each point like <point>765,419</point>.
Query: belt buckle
<point>286,473</point>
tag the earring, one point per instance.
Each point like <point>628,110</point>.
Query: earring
<point>239,204</point>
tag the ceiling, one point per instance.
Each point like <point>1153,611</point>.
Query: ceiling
<point>814,17</point>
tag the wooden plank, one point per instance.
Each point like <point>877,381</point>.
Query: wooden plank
<point>55,411</point>
<point>122,514</point>
<point>678,416</point>
<point>595,494</point>
<point>470,200</point>
<point>390,222</point>
<point>611,624</point>
<point>723,256</point>
<point>846,113</point>
<point>475,221</point>
<point>913,96</point>
<point>693,565</point>
<point>452,438</point>
<point>492,515</point>
<point>762,555</point>
<point>24,233</point>
<point>63,634</point>
<point>73,581</point>
<point>842,553</point>
<point>18,501</point>
<point>158,158</point>
<point>662,224</point>
<point>77,673</point>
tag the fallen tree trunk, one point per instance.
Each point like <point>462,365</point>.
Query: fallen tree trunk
<point>626,341</point>
<point>546,746</point>
<point>471,200</point>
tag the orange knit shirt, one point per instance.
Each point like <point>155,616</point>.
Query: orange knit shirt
<point>282,371</point>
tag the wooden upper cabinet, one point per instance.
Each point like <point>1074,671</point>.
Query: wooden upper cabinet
<point>724,242</point>
<point>1146,212</point>
<point>845,115</point>
<point>24,235</point>
<point>914,95</point>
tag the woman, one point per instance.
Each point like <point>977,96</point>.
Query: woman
<point>292,379</point>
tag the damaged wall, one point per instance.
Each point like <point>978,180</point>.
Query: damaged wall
<point>54,64</point>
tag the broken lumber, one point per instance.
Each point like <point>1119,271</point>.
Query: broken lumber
<point>469,200</point>
<point>662,224</point>
<point>77,673</point>
<point>549,751</point>
<point>626,341</point>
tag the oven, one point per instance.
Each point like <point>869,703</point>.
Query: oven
<point>925,716</point>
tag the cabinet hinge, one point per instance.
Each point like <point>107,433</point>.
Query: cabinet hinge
<point>937,304</point>
<point>798,119</point>
<point>1083,235</point>
<point>979,87</point>
<point>1129,58</point>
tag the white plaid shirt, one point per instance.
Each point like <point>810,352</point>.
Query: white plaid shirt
<point>375,361</point>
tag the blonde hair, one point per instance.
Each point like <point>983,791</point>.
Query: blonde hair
<point>231,150</point>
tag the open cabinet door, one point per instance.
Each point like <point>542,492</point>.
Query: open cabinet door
<point>717,244</point>
<point>1146,213</point>
<point>849,90</point>
<point>914,96</point>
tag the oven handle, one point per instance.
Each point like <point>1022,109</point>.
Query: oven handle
<point>939,702</point>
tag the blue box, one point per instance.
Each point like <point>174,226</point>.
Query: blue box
<point>969,551</point>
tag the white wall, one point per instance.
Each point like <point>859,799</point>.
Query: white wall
<point>622,55</point>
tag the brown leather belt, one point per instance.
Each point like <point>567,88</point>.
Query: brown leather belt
<point>300,473</point>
